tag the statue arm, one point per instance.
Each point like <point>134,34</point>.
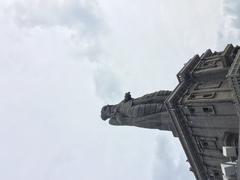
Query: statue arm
<point>118,119</point>
<point>154,121</point>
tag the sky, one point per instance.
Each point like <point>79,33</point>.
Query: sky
<point>62,60</point>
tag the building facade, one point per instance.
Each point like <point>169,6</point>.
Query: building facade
<point>204,109</point>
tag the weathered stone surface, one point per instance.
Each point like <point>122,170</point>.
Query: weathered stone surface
<point>147,111</point>
<point>203,111</point>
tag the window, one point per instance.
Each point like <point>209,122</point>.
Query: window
<point>196,96</point>
<point>205,144</point>
<point>207,85</point>
<point>207,95</point>
<point>199,110</point>
<point>207,109</point>
<point>208,143</point>
<point>207,64</point>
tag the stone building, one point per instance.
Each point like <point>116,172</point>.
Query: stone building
<point>203,111</point>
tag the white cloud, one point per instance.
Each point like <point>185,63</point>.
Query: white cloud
<point>49,113</point>
<point>50,124</point>
<point>81,21</point>
<point>150,41</point>
<point>73,14</point>
<point>229,28</point>
<point>170,163</point>
<point>107,85</point>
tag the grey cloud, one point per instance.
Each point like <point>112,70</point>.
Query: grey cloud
<point>86,22</point>
<point>169,162</point>
<point>71,14</point>
<point>107,85</point>
<point>82,20</point>
<point>232,8</point>
<point>229,30</point>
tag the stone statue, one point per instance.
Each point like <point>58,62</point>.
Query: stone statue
<point>147,111</point>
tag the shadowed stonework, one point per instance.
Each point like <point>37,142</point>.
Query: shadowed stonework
<point>203,111</point>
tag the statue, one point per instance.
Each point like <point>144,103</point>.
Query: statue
<point>147,111</point>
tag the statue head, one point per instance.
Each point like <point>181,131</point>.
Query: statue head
<point>107,111</point>
<point>127,97</point>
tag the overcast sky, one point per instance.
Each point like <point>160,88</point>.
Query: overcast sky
<point>62,60</point>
